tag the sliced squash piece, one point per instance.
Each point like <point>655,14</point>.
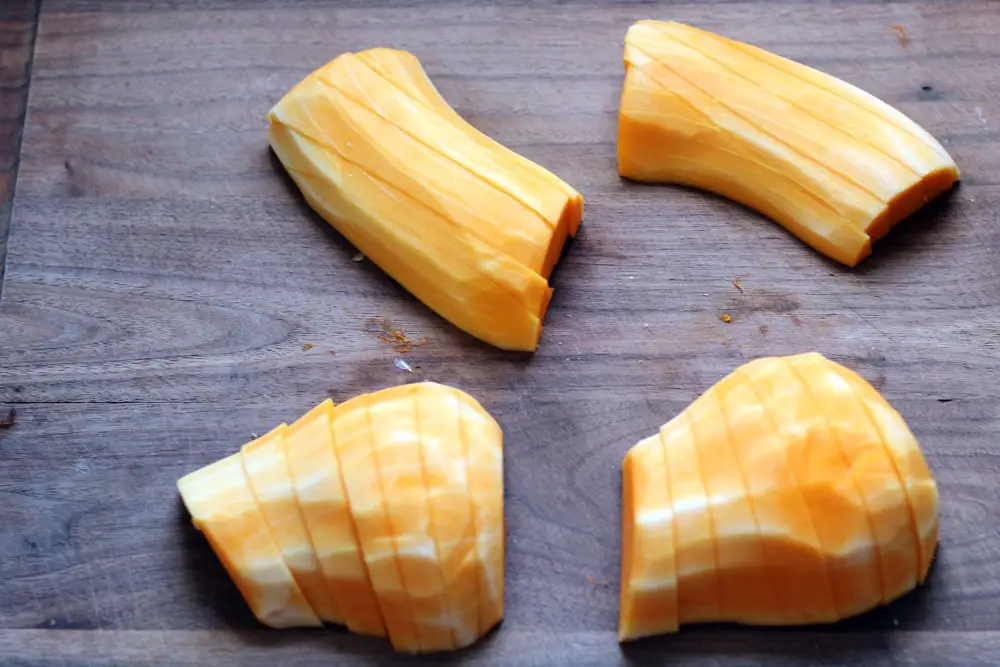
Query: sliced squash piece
<point>222,506</point>
<point>649,603</point>
<point>880,486</point>
<point>829,162</point>
<point>795,557</point>
<point>837,491</point>
<point>910,465</point>
<point>825,480</point>
<point>489,295</point>
<point>312,461</point>
<point>353,131</point>
<point>404,70</point>
<point>483,443</point>
<point>396,438</point>
<point>353,434</point>
<point>272,485</point>
<point>747,592</point>
<point>697,551</point>
<point>445,468</point>
<point>449,214</point>
<point>399,494</point>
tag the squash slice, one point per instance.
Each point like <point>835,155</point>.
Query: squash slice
<point>223,507</point>
<point>469,227</point>
<point>789,493</point>
<point>385,512</point>
<point>832,164</point>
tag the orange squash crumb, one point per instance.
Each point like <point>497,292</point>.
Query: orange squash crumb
<point>901,33</point>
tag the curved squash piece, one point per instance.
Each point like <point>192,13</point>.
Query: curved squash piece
<point>789,493</point>
<point>450,214</point>
<point>829,162</point>
<point>222,506</point>
<point>398,495</point>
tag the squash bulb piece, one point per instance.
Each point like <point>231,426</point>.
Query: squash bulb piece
<point>789,493</point>
<point>386,512</point>
<point>469,227</point>
<point>832,164</point>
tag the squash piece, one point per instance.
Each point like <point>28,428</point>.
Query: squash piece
<point>222,506</point>
<point>450,214</point>
<point>649,603</point>
<point>396,439</point>
<point>445,468</point>
<point>840,515</point>
<point>399,493</point>
<point>489,296</point>
<point>316,471</point>
<point>747,592</point>
<point>884,497</point>
<point>267,471</point>
<point>909,464</point>
<point>328,116</point>
<point>482,440</point>
<point>404,70</point>
<point>353,434</point>
<point>829,162</point>
<point>794,555</point>
<point>830,489</point>
<point>697,551</point>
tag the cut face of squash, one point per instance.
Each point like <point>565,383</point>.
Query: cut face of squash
<point>223,507</point>
<point>385,512</point>
<point>274,490</point>
<point>829,162</point>
<point>469,227</point>
<point>315,467</point>
<point>789,493</point>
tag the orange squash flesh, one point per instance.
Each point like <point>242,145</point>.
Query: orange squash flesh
<point>747,592</point>
<point>399,495</point>
<point>830,491</point>
<point>404,70</point>
<point>447,212</point>
<point>352,428</point>
<point>649,564</point>
<point>318,476</point>
<point>789,493</point>
<point>834,165</point>
<point>697,551</point>
<point>274,490</point>
<point>223,507</point>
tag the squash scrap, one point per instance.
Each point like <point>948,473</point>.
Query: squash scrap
<point>467,226</point>
<point>834,165</point>
<point>789,493</point>
<point>384,513</point>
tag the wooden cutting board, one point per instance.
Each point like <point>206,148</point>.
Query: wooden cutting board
<point>167,294</point>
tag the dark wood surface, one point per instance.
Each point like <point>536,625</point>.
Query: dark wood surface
<point>18,19</point>
<point>163,278</point>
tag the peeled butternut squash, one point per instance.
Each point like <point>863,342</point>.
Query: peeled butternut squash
<point>469,227</point>
<point>384,513</point>
<point>789,493</point>
<point>834,165</point>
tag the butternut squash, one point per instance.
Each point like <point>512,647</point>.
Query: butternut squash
<point>789,493</point>
<point>834,165</point>
<point>384,513</point>
<point>469,227</point>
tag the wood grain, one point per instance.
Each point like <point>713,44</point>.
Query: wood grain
<point>18,19</point>
<point>163,277</point>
